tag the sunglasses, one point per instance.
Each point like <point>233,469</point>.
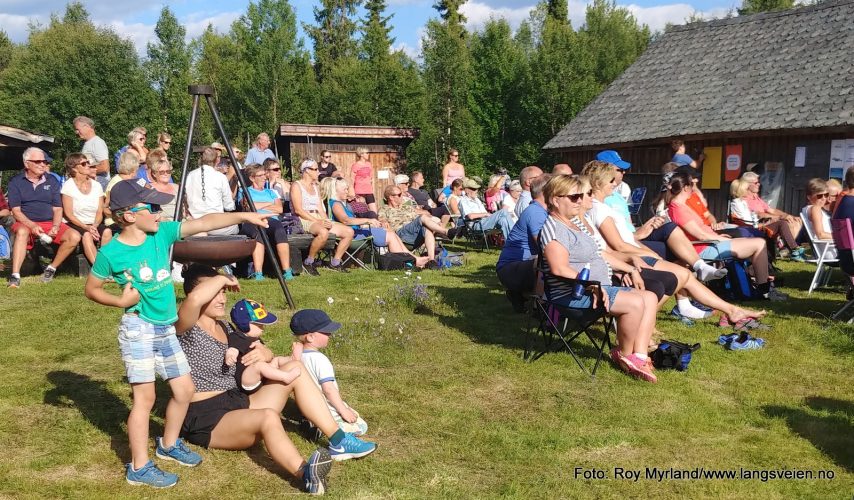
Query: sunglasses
<point>575,198</point>
<point>146,206</point>
<point>395,194</point>
<point>274,169</point>
<point>84,164</point>
<point>165,142</point>
<point>162,172</point>
<point>38,162</point>
<point>822,195</point>
<point>327,157</point>
<point>311,168</point>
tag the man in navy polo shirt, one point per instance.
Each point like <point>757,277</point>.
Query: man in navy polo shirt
<point>37,207</point>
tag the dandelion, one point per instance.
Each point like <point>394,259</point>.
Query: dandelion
<point>330,300</point>
<point>382,321</point>
<point>356,299</point>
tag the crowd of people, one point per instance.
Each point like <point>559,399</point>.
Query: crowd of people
<point>228,388</point>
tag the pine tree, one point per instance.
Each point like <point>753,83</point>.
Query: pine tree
<point>333,34</point>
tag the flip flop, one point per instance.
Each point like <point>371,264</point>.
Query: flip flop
<point>751,324</point>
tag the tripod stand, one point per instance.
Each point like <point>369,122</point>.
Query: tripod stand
<point>198,91</point>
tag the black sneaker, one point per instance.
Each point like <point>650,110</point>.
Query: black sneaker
<point>48,275</point>
<point>340,268</point>
<point>457,231</point>
<point>310,268</point>
<point>14,282</point>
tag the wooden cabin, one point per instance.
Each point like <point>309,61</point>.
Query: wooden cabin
<point>771,91</point>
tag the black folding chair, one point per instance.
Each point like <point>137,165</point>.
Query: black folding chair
<point>556,325</point>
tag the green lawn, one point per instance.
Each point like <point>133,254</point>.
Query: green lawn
<point>454,409</point>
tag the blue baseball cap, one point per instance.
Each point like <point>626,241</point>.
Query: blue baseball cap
<point>612,157</point>
<point>128,193</point>
<point>312,320</point>
<point>247,311</point>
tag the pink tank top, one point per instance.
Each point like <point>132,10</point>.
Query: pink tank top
<point>453,174</point>
<point>362,176</point>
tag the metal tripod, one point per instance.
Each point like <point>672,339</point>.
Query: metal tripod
<point>207,91</point>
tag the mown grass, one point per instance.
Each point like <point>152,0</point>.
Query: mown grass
<point>454,409</point>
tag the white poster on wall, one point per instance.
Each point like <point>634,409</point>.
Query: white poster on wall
<point>837,158</point>
<point>800,156</point>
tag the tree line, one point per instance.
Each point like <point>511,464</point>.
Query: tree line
<point>495,94</point>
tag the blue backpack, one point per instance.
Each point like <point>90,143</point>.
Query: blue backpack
<point>737,283</point>
<point>5,244</point>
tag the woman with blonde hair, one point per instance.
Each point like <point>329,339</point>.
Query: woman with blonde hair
<point>361,179</point>
<point>815,215</point>
<point>306,203</point>
<point>568,245</point>
<point>742,215</point>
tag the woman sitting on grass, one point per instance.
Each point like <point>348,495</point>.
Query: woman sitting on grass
<point>222,417</point>
<point>335,193</point>
<point>568,245</point>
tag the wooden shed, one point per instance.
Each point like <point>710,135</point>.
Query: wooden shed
<point>772,90</point>
<point>13,143</point>
<point>386,146</point>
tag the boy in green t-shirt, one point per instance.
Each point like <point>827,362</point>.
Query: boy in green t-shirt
<point>138,260</point>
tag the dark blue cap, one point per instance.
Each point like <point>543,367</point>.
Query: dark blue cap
<point>612,157</point>
<point>247,311</point>
<point>312,320</point>
<point>126,194</point>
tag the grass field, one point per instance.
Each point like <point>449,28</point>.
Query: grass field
<point>454,409</point>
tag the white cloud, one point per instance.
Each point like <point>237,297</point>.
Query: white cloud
<point>196,25</point>
<point>658,16</point>
<point>412,52</point>
<point>477,14</point>
<point>17,26</point>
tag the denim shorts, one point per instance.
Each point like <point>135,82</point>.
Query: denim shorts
<point>149,349</point>
<point>722,250</point>
<point>411,232</point>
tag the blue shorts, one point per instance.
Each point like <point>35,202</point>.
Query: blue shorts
<point>721,250</point>
<point>411,232</point>
<point>149,349</point>
<point>586,301</point>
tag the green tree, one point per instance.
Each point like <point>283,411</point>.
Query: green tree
<point>168,70</point>
<point>757,6</point>
<point>73,68</point>
<point>499,64</point>
<point>448,73</point>
<point>333,35</point>
<point>613,38</point>
<point>6,49</point>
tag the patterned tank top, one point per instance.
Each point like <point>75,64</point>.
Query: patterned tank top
<point>206,356</point>
<point>310,202</point>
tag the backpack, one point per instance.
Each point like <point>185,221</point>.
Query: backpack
<point>395,261</point>
<point>291,223</point>
<point>448,260</point>
<point>5,244</point>
<point>737,283</point>
<point>674,355</point>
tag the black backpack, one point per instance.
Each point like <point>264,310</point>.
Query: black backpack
<point>395,261</point>
<point>673,355</point>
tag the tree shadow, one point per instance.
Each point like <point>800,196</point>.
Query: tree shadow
<point>827,424</point>
<point>96,403</point>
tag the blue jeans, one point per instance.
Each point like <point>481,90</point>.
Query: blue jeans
<point>500,219</point>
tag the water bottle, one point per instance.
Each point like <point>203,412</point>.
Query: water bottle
<point>578,289</point>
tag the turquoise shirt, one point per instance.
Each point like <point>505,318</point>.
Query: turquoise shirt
<point>147,268</point>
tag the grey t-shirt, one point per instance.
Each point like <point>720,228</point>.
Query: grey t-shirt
<point>582,250</point>
<point>98,149</point>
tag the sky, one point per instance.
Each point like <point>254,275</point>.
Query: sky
<point>135,19</point>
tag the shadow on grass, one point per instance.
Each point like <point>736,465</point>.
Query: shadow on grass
<point>827,425</point>
<point>95,402</point>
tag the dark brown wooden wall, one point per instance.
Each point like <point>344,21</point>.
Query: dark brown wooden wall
<point>647,160</point>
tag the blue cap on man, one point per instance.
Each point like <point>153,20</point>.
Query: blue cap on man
<point>612,157</point>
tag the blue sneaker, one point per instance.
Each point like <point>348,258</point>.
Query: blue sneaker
<point>351,447</point>
<point>684,319</point>
<point>258,276</point>
<point>150,475</point>
<point>288,275</point>
<point>179,453</point>
<point>315,471</point>
<point>702,307</point>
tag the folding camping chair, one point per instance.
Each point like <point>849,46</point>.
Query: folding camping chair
<point>476,232</point>
<point>635,202</point>
<point>559,325</point>
<point>843,238</point>
<point>823,250</point>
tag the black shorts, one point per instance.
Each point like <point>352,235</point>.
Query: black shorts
<point>83,231</point>
<point>203,416</point>
<point>369,198</point>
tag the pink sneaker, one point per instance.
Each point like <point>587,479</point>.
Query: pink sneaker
<point>641,368</point>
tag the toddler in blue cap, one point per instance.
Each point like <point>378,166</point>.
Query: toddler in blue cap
<point>249,318</point>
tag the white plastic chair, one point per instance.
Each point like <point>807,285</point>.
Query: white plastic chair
<point>825,251</point>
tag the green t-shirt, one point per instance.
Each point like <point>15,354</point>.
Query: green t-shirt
<point>146,266</point>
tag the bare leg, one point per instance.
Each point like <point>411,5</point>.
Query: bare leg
<point>89,248</point>
<point>258,257</point>
<point>755,250</point>
<point>372,207</point>
<point>428,223</point>
<point>321,234</point>
<point>19,248</point>
<point>395,245</point>
<point>430,243</point>
<point>69,242</point>
<point>284,251</point>
<point>241,429</point>
<point>628,307</point>
<point>345,234</point>
<point>106,236</point>
<point>143,402</point>
<point>253,374</point>
<point>182,393</point>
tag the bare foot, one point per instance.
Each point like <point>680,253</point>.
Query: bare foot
<point>421,261</point>
<point>739,314</point>
<point>288,376</point>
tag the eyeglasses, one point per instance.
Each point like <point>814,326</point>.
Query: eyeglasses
<point>822,195</point>
<point>575,198</point>
<point>162,172</point>
<point>455,155</point>
<point>38,162</point>
<point>613,180</point>
<point>148,207</point>
<point>262,174</point>
<point>274,169</point>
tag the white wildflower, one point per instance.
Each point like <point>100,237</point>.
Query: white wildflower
<point>382,321</point>
<point>330,300</point>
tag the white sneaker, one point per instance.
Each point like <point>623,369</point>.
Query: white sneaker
<point>177,269</point>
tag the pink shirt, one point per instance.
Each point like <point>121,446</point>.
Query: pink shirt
<point>756,204</point>
<point>681,215</point>
<point>454,173</point>
<point>363,174</point>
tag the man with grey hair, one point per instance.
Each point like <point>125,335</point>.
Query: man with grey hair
<point>526,176</point>
<point>95,146</point>
<point>208,191</point>
<point>36,204</point>
<point>259,151</point>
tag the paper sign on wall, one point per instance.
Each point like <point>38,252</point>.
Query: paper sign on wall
<point>800,156</point>
<point>733,162</point>
<point>382,174</point>
<point>712,168</point>
<point>837,159</point>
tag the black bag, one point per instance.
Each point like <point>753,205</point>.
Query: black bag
<point>673,355</point>
<point>291,223</point>
<point>395,261</point>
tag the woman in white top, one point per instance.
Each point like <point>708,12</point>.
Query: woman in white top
<point>613,231</point>
<point>508,202</point>
<point>83,203</point>
<point>305,202</point>
<point>453,201</point>
<point>275,180</point>
<point>742,215</point>
<point>815,215</point>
